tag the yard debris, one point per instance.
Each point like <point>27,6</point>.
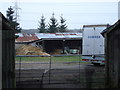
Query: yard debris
<point>30,50</point>
<point>56,52</point>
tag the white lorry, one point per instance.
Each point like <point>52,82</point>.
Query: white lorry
<point>93,44</point>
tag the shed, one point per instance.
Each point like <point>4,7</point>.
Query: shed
<point>25,39</point>
<point>54,41</point>
<point>112,54</point>
<point>7,63</point>
<point>51,41</point>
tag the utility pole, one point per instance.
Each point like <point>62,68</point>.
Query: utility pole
<point>16,7</point>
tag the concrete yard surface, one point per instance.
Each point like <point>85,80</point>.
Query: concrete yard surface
<point>61,75</point>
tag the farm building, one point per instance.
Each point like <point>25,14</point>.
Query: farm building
<point>112,52</point>
<point>23,39</point>
<point>52,41</point>
<point>7,63</point>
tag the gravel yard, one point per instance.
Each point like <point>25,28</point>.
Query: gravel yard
<point>61,75</point>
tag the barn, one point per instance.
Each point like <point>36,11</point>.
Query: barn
<point>25,39</point>
<point>7,63</point>
<point>112,52</point>
<point>52,41</point>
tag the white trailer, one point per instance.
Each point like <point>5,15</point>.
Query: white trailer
<point>93,44</point>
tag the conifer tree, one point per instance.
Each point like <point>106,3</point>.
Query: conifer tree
<point>53,25</point>
<point>62,26</point>
<point>42,26</point>
<point>10,16</point>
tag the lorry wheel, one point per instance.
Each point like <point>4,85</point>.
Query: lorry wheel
<point>96,64</point>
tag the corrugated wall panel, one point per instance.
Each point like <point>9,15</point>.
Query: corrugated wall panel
<point>0,51</point>
<point>113,58</point>
<point>8,58</point>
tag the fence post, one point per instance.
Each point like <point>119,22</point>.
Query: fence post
<point>19,70</point>
<point>79,65</point>
<point>49,69</point>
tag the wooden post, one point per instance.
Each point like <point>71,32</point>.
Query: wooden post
<point>43,45</point>
<point>0,52</point>
<point>63,46</point>
<point>106,63</point>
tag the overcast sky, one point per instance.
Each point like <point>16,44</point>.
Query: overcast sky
<point>76,12</point>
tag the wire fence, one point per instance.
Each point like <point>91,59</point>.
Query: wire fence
<point>57,71</point>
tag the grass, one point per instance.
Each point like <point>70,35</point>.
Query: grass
<point>53,58</point>
<point>66,59</point>
<point>32,58</point>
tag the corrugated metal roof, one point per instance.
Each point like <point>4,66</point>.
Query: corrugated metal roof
<point>37,36</point>
<point>45,35</point>
<point>58,35</point>
<point>111,28</point>
<point>26,37</point>
<point>99,25</point>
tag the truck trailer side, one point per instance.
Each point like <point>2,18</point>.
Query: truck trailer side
<point>93,44</point>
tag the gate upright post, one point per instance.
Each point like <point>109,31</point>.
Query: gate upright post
<point>79,66</point>
<point>49,69</point>
<point>19,70</point>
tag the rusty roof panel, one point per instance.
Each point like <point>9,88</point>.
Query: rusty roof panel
<point>37,36</point>
<point>59,35</point>
<point>26,37</point>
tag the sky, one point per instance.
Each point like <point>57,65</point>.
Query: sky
<point>76,12</point>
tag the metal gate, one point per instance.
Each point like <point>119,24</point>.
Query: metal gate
<point>57,71</point>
